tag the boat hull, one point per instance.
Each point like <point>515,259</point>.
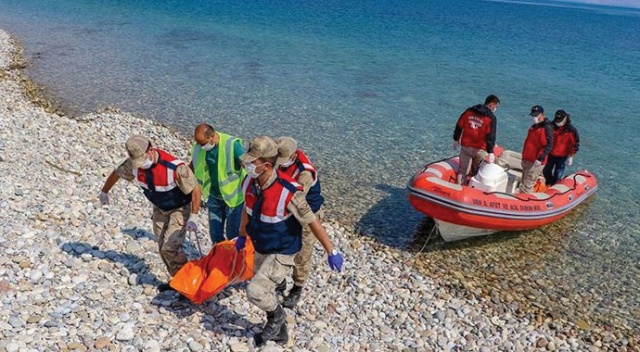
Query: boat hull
<point>433,191</point>
<point>451,232</point>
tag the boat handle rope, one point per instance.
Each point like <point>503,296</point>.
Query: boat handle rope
<point>530,199</point>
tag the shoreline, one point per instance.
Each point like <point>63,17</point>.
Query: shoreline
<point>78,276</point>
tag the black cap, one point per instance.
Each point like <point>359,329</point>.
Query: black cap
<point>536,110</point>
<point>560,116</point>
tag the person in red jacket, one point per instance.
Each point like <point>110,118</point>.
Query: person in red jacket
<point>475,133</point>
<point>536,148</point>
<point>566,143</point>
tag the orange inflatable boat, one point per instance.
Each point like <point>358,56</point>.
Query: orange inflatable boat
<point>491,202</point>
<point>203,278</point>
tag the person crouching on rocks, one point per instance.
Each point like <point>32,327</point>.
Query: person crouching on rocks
<point>169,184</point>
<point>275,211</point>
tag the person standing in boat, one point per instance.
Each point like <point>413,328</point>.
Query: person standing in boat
<point>294,163</point>
<point>475,134</point>
<point>275,211</point>
<point>566,142</point>
<point>536,148</point>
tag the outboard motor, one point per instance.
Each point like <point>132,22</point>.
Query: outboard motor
<point>490,178</point>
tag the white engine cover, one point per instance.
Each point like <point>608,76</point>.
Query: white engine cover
<point>490,178</point>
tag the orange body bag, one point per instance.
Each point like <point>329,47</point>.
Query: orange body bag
<point>203,278</point>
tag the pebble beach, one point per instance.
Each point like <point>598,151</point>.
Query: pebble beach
<point>76,276</point>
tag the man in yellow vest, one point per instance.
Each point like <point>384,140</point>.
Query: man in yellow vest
<point>217,166</point>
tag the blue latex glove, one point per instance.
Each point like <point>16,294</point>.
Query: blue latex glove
<point>240,243</point>
<point>335,261</point>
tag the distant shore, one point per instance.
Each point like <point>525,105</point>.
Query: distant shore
<point>77,276</point>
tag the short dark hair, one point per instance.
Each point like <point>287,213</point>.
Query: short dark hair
<point>492,99</point>
<point>209,131</point>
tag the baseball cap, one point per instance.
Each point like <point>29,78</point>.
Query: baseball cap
<point>560,116</point>
<point>137,146</point>
<point>286,147</point>
<point>536,110</point>
<point>260,147</point>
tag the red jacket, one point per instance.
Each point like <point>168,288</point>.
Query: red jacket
<point>477,125</point>
<point>538,143</point>
<point>566,141</point>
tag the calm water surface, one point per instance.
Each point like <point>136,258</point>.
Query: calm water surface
<point>372,90</point>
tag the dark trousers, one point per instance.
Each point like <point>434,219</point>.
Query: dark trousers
<point>554,169</point>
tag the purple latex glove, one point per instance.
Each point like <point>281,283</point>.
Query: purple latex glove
<point>335,261</point>
<point>241,241</point>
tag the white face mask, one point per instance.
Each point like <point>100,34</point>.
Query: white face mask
<point>561,123</point>
<point>494,109</point>
<point>534,119</point>
<point>287,163</point>
<point>251,170</point>
<point>207,147</point>
<point>147,164</point>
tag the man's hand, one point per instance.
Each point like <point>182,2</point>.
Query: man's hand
<point>569,161</point>
<point>335,260</point>
<point>104,198</point>
<point>537,163</point>
<point>492,158</point>
<point>241,241</point>
<point>191,225</point>
<point>455,145</point>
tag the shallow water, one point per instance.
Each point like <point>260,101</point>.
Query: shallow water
<point>372,91</point>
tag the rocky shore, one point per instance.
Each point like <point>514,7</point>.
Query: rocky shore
<point>75,276</point>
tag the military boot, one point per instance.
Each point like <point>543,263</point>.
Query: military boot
<point>294,296</point>
<point>273,329</point>
<point>281,338</point>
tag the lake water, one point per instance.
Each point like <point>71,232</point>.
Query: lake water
<point>372,91</point>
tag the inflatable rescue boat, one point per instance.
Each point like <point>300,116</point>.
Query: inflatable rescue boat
<point>491,202</point>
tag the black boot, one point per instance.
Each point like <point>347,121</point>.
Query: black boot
<point>281,338</point>
<point>294,296</point>
<point>164,287</point>
<point>281,287</point>
<point>274,326</point>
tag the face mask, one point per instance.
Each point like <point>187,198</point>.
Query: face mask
<point>534,119</point>
<point>147,164</point>
<point>286,164</point>
<point>561,123</point>
<point>207,147</point>
<point>251,170</point>
<point>494,109</point>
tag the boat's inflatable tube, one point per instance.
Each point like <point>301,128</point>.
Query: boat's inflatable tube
<point>491,200</point>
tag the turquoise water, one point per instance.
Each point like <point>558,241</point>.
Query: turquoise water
<point>371,89</point>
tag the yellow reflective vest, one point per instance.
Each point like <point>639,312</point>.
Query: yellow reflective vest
<point>229,178</point>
